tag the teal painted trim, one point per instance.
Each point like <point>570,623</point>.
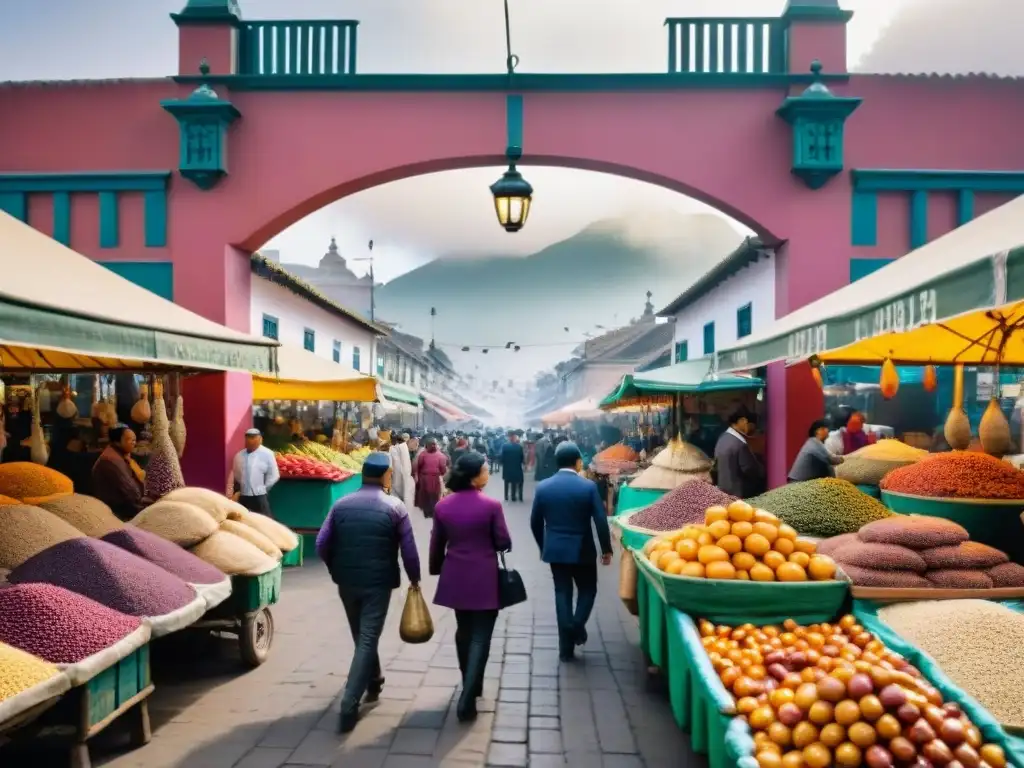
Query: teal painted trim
<point>918,218</point>
<point>110,235</point>
<point>879,180</point>
<point>155,276</point>
<point>863,267</point>
<point>965,207</point>
<point>797,12</point>
<point>155,218</point>
<point>100,181</point>
<point>15,204</point>
<point>62,217</point>
<point>864,219</point>
<point>514,119</point>
<point>519,83</point>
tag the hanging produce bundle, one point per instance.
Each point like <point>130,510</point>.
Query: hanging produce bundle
<point>163,471</point>
<point>835,695</point>
<point>38,450</point>
<point>294,467</point>
<point>141,412</point>
<point>958,475</point>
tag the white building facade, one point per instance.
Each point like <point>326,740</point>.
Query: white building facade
<point>735,299</point>
<point>286,308</point>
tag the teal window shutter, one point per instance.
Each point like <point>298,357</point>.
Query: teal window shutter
<point>270,327</point>
<point>336,351</point>
<point>744,321</point>
<point>309,340</point>
<point>355,358</point>
<point>682,352</point>
<point>709,338</point>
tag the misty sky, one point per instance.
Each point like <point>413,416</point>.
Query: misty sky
<point>65,39</point>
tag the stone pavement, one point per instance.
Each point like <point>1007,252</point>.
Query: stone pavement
<point>600,712</point>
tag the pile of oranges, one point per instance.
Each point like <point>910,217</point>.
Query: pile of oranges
<point>742,543</point>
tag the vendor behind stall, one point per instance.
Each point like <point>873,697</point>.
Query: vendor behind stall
<point>117,480</point>
<point>255,473</point>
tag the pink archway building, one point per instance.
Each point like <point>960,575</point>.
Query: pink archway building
<point>194,171</point>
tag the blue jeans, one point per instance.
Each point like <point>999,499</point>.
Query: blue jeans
<point>366,612</point>
<point>572,621</point>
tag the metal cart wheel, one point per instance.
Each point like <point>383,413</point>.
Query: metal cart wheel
<point>255,636</point>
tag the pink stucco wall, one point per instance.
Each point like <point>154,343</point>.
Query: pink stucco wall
<point>293,152</point>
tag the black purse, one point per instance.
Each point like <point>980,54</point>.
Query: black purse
<point>511,590</point>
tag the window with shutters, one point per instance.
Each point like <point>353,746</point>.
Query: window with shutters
<point>309,339</point>
<point>744,321</point>
<point>355,358</point>
<point>682,351</point>
<point>270,327</point>
<point>709,338</point>
<point>336,351</point>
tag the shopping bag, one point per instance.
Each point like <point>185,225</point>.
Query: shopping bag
<point>628,581</point>
<point>416,625</point>
<point>511,590</point>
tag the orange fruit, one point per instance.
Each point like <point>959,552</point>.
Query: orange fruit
<point>711,553</point>
<point>803,545</point>
<point>791,572</point>
<point>764,516</point>
<point>761,572</point>
<point>674,566</point>
<point>687,549</point>
<point>692,532</point>
<point>705,538</point>
<point>664,558</point>
<point>720,569</point>
<point>743,561</point>
<point>757,545</point>
<point>821,568</point>
<point>773,559</point>
<point>767,530</point>
<point>800,558</point>
<point>784,546</point>
<point>787,531</point>
<point>742,575</point>
<point>742,529</point>
<point>715,513</point>
<point>693,570</point>
<point>730,543</point>
<point>740,511</point>
<point>719,528</point>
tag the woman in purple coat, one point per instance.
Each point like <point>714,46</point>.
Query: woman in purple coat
<point>469,531</point>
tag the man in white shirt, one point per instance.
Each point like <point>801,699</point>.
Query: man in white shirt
<point>255,472</point>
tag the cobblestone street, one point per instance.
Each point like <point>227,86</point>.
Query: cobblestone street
<point>600,711</point>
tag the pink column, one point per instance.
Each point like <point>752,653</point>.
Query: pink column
<point>817,30</point>
<point>794,402</point>
<point>207,30</point>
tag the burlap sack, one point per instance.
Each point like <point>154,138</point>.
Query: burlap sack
<point>628,582</point>
<point>416,625</point>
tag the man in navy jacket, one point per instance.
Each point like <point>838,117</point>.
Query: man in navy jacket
<point>563,507</point>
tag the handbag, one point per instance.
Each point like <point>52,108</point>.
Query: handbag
<point>511,589</point>
<point>416,625</point>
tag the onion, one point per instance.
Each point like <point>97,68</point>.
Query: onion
<point>893,696</point>
<point>860,685</point>
<point>789,714</point>
<point>907,713</point>
<point>952,732</point>
<point>904,750</point>
<point>921,732</point>
<point>937,751</point>
<point>967,755</point>
<point>878,757</point>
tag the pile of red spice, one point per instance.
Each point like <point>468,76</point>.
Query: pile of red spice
<point>958,475</point>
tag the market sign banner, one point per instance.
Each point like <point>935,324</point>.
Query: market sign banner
<point>980,285</point>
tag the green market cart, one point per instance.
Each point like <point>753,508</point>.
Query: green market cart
<point>303,505</point>
<point>247,615</point>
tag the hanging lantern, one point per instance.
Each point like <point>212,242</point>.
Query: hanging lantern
<point>931,378</point>
<point>512,195</point>
<point>890,380</point>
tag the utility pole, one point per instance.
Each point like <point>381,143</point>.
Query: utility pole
<point>373,287</point>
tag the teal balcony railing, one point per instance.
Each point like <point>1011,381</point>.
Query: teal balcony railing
<point>297,48</point>
<point>726,46</point>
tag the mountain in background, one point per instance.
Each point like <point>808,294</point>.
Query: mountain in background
<point>951,37</point>
<point>599,276</point>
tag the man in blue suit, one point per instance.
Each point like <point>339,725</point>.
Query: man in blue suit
<point>563,507</point>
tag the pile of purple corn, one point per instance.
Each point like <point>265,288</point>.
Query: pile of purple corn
<point>683,506</point>
<point>58,625</point>
<point>107,574</point>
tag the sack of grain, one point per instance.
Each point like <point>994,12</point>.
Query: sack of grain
<point>959,578</point>
<point>25,531</point>
<point>86,513</point>
<point>211,502</point>
<point>24,480</point>
<point>914,531</point>
<point>233,555</point>
<point>184,524</point>
<point>253,536</point>
<point>970,555</point>
<point>881,557</point>
<point>870,577</point>
<point>681,456</point>
<point>282,536</point>
<point>663,479</point>
<point>1007,575</point>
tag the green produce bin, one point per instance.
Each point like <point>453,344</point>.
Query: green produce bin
<point>295,558</point>
<point>700,703</point>
<point>653,632</point>
<point>305,503</point>
<point>871,490</point>
<point>738,602</point>
<point>866,612</point>
<point>634,498</point>
<point>251,593</point>
<point>634,538</point>
<point>991,521</point>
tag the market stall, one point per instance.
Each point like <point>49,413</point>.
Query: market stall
<point>584,409</point>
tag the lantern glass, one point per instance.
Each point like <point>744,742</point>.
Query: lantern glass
<point>512,198</point>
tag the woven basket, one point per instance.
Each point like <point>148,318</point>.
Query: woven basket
<point>681,456</point>
<point>663,479</point>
